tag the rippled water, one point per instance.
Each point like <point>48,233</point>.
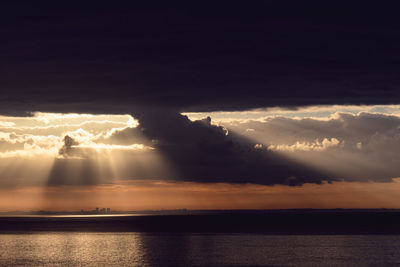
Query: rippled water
<point>143,249</point>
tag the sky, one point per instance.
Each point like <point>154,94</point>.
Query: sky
<point>226,105</point>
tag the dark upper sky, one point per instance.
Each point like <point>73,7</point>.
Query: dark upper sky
<point>111,57</point>
<point>155,60</point>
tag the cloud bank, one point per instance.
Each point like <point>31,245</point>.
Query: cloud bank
<point>344,146</point>
<point>279,150</point>
<point>165,145</point>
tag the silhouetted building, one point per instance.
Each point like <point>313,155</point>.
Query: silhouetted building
<point>108,210</point>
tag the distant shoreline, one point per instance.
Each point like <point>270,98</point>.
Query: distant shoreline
<point>197,212</point>
<point>319,222</point>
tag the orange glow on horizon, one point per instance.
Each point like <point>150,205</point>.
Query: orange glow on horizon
<point>157,195</point>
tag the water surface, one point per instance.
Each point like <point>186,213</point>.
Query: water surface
<point>146,249</point>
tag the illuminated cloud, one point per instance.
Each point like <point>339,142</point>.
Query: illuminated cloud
<point>305,146</point>
<point>165,145</point>
<point>52,134</point>
<point>74,149</point>
<point>342,145</point>
<point>314,112</point>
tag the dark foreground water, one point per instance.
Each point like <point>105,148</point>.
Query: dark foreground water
<point>163,249</point>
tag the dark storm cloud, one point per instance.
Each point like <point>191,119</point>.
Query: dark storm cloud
<point>347,147</point>
<point>67,149</point>
<point>204,152</point>
<point>108,58</point>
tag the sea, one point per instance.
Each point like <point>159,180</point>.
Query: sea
<point>195,249</point>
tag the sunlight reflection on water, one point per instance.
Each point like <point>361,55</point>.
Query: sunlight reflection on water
<point>145,249</point>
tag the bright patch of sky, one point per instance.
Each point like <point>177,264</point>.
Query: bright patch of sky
<point>316,112</point>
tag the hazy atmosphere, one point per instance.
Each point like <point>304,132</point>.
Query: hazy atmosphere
<point>256,106</point>
<point>311,157</point>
